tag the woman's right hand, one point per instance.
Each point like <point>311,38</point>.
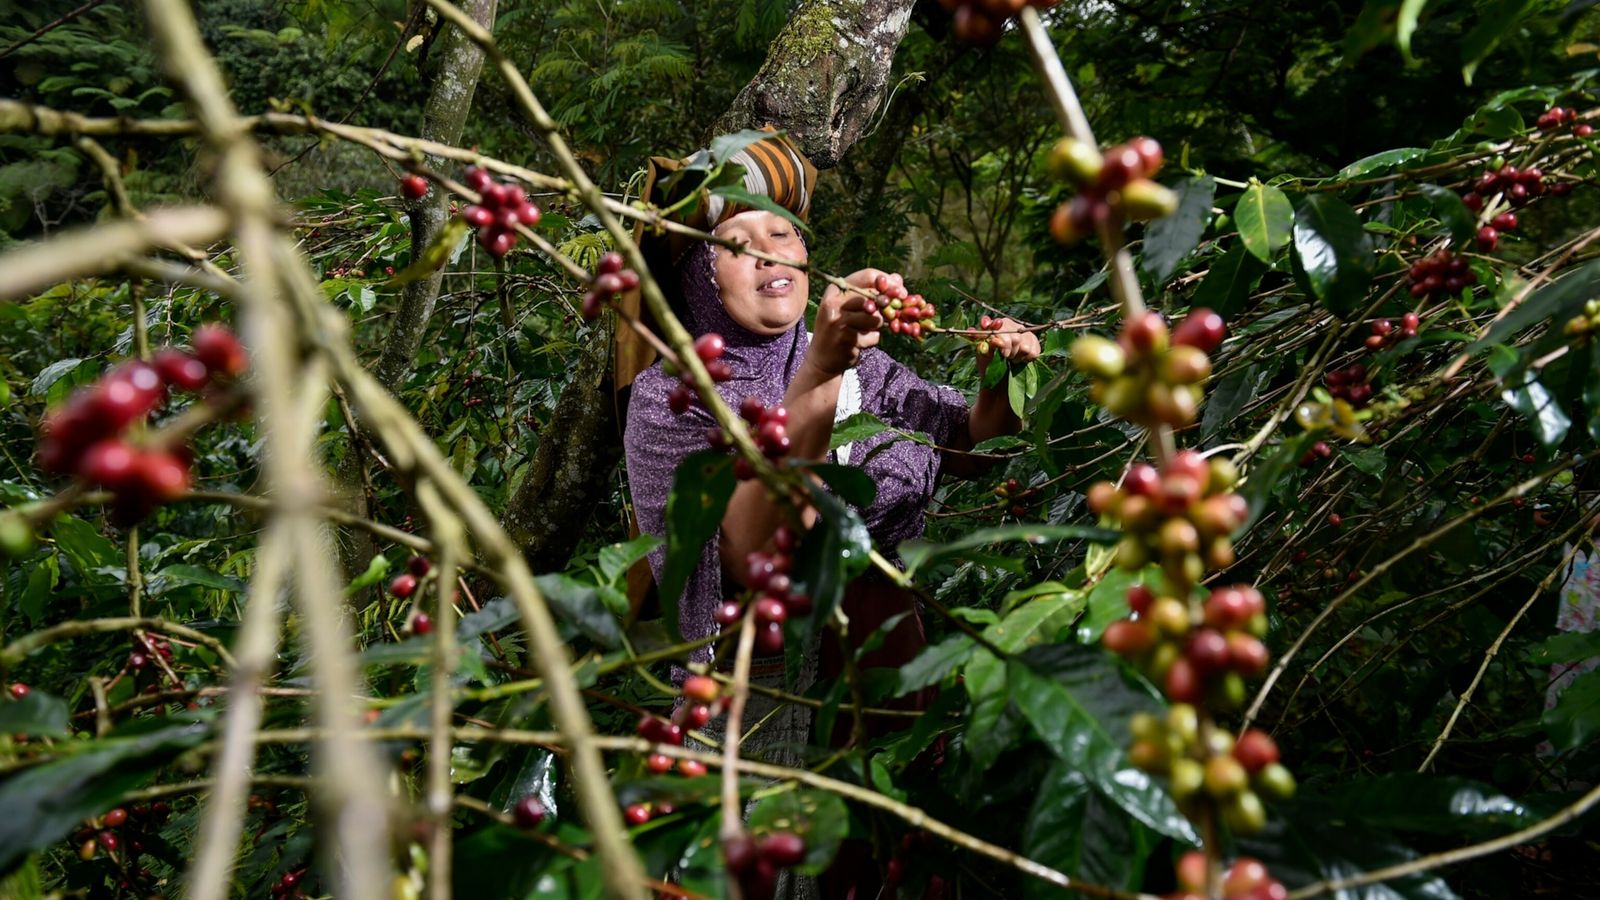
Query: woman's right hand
<point>845,325</point>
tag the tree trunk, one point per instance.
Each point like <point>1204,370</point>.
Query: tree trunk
<point>825,76</point>
<point>443,119</point>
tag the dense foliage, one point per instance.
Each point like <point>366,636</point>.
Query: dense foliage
<point>1417,489</point>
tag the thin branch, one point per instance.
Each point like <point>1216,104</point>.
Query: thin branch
<point>98,249</point>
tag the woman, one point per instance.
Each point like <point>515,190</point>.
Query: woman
<point>820,376</point>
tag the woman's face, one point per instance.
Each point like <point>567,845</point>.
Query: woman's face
<point>762,296</point>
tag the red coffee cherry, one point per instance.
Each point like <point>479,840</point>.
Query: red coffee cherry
<point>180,370</point>
<point>403,585</point>
<point>1255,750</point>
<point>413,187</point>
<point>528,812</point>
<point>421,624</point>
<point>637,814</point>
<point>783,849</point>
<point>221,352</point>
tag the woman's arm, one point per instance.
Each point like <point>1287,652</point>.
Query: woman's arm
<point>844,327</point>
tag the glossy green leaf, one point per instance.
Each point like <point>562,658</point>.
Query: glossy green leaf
<point>1552,304</point>
<point>1108,600</point>
<point>858,427</point>
<point>1229,397</point>
<point>820,818</point>
<point>580,604</point>
<point>1075,828</point>
<point>832,552</point>
<point>1380,162</point>
<point>1265,220</point>
<point>615,559</point>
<point>1496,19</point>
<point>1591,392</point>
<point>39,714</point>
<point>737,194</point>
<point>1566,647</point>
<point>1079,703</point>
<point>934,664</point>
<point>1228,283</point>
<point>52,373</point>
<point>700,491</point>
<point>1427,804</point>
<point>1458,221</point>
<point>1406,25</point>
<point>849,483</point>
<point>1333,252</point>
<point>1575,720</point>
<point>1171,238</point>
<point>187,574</point>
<point>45,803</point>
<point>916,554</point>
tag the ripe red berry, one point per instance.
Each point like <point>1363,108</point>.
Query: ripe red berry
<point>1139,598</point>
<point>783,849</point>
<point>1247,654</point>
<point>1128,638</point>
<point>421,624</point>
<point>477,179</point>
<point>1410,321</point>
<point>1202,328</point>
<point>180,370</point>
<point>161,475</point>
<point>115,817</point>
<point>109,464</point>
<point>1183,683</point>
<point>701,688</point>
<point>709,347</point>
<point>740,853</point>
<point>1255,750</point>
<point>637,814</point>
<point>1245,875</point>
<point>1208,651</point>
<point>691,768</point>
<point>1488,238</point>
<point>528,812</point>
<point>770,609</point>
<point>1335,519</point>
<point>1506,221</point>
<point>413,186</point>
<point>217,347</point>
<point>477,216</point>
<point>769,639</point>
<point>659,763</point>
<point>1583,130</point>
<point>19,690</point>
<point>728,613</point>
<point>1150,155</point>
<point>696,715</point>
<point>419,566</point>
<point>1142,480</point>
<point>403,585</point>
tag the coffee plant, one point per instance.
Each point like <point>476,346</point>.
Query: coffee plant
<point>1261,601</point>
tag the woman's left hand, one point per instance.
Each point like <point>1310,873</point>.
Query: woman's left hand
<point>1012,343</point>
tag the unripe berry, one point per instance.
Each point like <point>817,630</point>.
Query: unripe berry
<point>1143,200</point>
<point>1225,777</point>
<point>1098,357</point>
<point>1073,161</point>
<point>1276,781</point>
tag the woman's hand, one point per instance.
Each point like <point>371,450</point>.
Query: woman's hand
<point>1011,343</point>
<point>845,325</point>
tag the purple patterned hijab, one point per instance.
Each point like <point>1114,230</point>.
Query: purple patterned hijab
<point>655,441</point>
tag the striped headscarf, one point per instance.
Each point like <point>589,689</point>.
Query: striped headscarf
<point>773,167</point>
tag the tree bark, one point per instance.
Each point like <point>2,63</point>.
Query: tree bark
<point>825,76</point>
<point>443,120</point>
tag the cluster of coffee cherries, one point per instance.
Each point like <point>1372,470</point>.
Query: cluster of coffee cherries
<point>772,591</point>
<point>1204,662</point>
<point>289,884</point>
<point>702,702</point>
<point>987,323</point>
<point>1384,332</point>
<point>769,429</point>
<point>120,834</point>
<point>1013,490</point>
<point>1111,188</point>
<point>709,347</point>
<point>982,21</point>
<point>501,207</point>
<point>610,279</point>
<point>1246,879</point>
<point>1443,275</point>
<point>754,863</point>
<point>404,586</point>
<point>1182,515</point>
<point>1195,662</point>
<point>1349,383</point>
<point>1148,375</point>
<point>87,435</point>
<point>1517,187</point>
<point>1557,117</point>
<point>147,647</point>
<point>1585,323</point>
<point>903,312</point>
